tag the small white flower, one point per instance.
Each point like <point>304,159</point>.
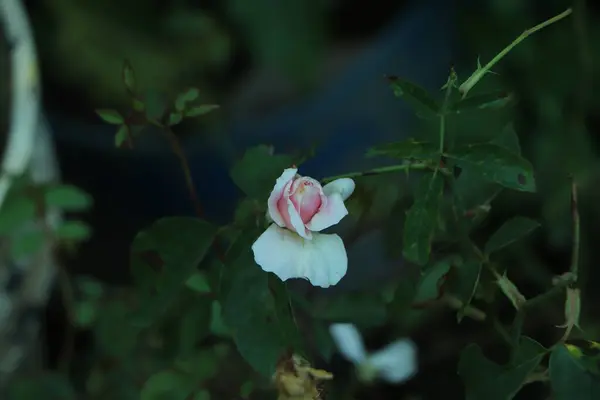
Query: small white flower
<point>395,363</point>
<point>292,246</point>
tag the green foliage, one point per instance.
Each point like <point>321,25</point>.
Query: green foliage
<point>111,116</point>
<point>574,375</point>
<point>512,230</point>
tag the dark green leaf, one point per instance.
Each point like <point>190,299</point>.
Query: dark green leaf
<point>115,342</point>
<point>201,365</point>
<point>202,395</point>
<point>197,111</point>
<point>246,389</point>
<point>508,139</point>
<point>258,170</point>
<point>357,308</point>
<point>496,164</point>
<point>167,385</point>
<point>175,118</point>
<point>422,219</point>
<point>258,313</point>
<point>511,231</point>
<point>85,314</point>
<point>464,280</point>
<point>486,380</point>
<point>16,211</point>
<point>73,231</point>
<point>527,349</point>
<point>415,96</point>
<point>111,116</point>
<point>186,97</point>
<point>138,105</point>
<point>194,325</point>
<point>67,198</point>
<point>569,377</point>
<point>27,244</point>
<point>47,386</point>
<point>121,136</point>
<point>164,257</point>
<point>495,99</point>
<point>407,149</point>
<point>323,341</point>
<point>129,76</point>
<point>198,282</point>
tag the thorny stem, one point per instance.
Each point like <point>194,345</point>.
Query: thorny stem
<point>416,166</point>
<point>574,268</point>
<point>480,72</point>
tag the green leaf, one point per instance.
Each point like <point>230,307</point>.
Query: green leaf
<point>357,308</point>
<point>197,111</point>
<point>255,174</point>
<point>74,231</point>
<point>217,325</point>
<point>15,212</point>
<point>175,118</point>
<point>186,97</point>
<point>415,96</point>
<point>569,377</point>
<point>167,385</point>
<point>27,244</point>
<point>323,341</point>
<point>111,116</point>
<point>138,105</point>
<point>201,365</point>
<point>261,324</point>
<point>67,198</point>
<point>163,258</point>
<point>430,281</point>
<point>463,281</point>
<point>407,149</point>
<point>85,314</point>
<point>496,99</point>
<point>129,76</point>
<point>194,325</point>
<point>115,342</point>
<point>198,282</point>
<point>201,395</point>
<point>496,164</point>
<point>486,380</point>
<point>47,386</point>
<point>246,389</point>
<point>121,136</point>
<point>511,231</point>
<point>422,219</point>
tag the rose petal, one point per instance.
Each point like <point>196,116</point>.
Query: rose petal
<point>280,184</point>
<point>349,342</point>
<point>322,261</point>
<point>397,362</point>
<point>296,221</point>
<point>343,186</point>
<point>330,214</point>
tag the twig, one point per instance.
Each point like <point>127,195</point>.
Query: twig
<point>574,268</point>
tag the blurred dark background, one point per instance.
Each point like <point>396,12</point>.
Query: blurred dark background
<point>299,74</point>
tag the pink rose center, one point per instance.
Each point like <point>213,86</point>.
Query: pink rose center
<point>305,195</point>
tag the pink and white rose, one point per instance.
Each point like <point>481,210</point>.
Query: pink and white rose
<point>292,246</point>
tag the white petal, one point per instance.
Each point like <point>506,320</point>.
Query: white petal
<point>349,342</point>
<point>280,184</point>
<point>343,186</point>
<point>322,261</point>
<point>397,362</point>
<point>330,214</point>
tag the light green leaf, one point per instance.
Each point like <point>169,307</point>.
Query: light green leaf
<point>121,136</point>
<point>486,380</point>
<point>417,97</point>
<point>196,111</point>
<point>186,97</point>
<point>511,231</point>
<point>217,325</point>
<point>169,385</point>
<point>255,174</point>
<point>406,149</point>
<point>496,99</point>
<point>67,198</point>
<point>496,164</point>
<point>198,282</point>
<point>430,281</point>
<point>47,386</point>
<point>27,244</point>
<point>111,116</point>
<point>569,377</point>
<point>74,231</point>
<point>163,258</point>
<point>138,105</point>
<point>422,219</point>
